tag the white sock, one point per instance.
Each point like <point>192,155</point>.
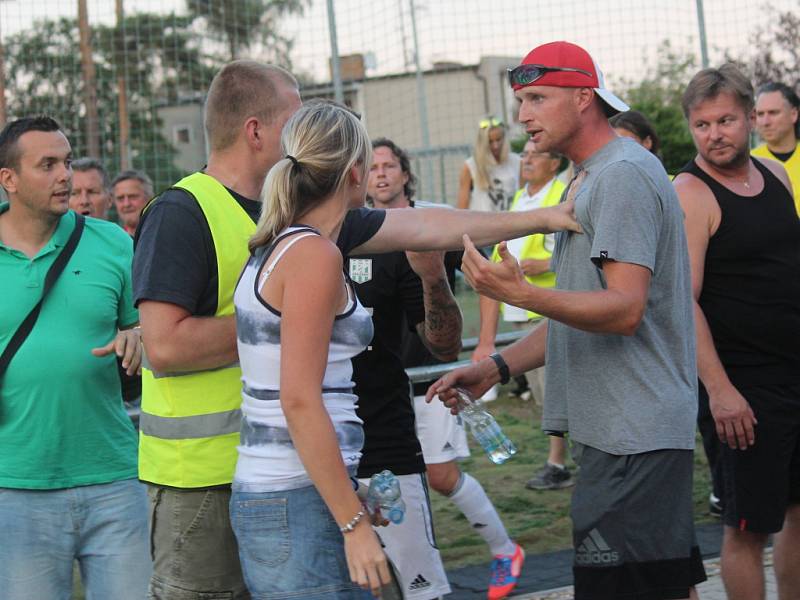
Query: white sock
<point>471,499</point>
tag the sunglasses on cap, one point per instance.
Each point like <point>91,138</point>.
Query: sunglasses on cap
<point>491,122</point>
<point>526,74</point>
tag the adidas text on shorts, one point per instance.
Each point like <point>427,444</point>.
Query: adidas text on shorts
<point>633,527</point>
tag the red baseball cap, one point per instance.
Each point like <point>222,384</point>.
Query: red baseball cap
<point>583,72</point>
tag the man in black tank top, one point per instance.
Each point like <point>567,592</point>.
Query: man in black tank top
<point>744,246</point>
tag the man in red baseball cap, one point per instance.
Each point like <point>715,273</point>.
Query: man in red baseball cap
<point>621,376</point>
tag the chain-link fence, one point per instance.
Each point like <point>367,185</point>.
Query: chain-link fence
<point>127,78</point>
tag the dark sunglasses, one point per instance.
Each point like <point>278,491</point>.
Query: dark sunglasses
<point>526,74</point>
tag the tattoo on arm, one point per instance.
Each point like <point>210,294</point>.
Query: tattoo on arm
<point>441,330</point>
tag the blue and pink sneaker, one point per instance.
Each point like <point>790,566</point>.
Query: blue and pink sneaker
<point>506,569</point>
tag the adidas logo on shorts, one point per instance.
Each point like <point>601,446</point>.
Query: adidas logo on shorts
<point>419,583</point>
<point>594,550</point>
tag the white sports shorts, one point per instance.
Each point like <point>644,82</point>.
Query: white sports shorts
<point>411,545</point>
<point>440,433</point>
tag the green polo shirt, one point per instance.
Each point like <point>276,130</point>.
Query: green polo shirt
<point>62,422</point>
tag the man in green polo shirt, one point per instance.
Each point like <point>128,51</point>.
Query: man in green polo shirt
<point>68,487</point>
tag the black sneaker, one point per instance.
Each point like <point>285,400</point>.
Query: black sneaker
<point>522,391</point>
<point>714,506</point>
<point>551,477</point>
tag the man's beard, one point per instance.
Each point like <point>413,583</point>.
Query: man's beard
<point>737,160</point>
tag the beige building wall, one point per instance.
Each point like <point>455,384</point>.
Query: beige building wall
<point>182,125</point>
<point>458,97</point>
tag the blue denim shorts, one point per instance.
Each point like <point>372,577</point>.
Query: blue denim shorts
<point>290,546</point>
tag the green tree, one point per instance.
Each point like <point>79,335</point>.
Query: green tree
<point>159,61</point>
<point>242,23</point>
<point>658,97</point>
<point>776,49</point>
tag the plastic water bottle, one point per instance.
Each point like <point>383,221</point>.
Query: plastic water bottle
<point>485,429</point>
<point>384,493</point>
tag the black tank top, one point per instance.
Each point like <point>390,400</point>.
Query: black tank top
<point>751,286</point>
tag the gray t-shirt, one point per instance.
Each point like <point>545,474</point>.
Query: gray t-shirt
<point>625,394</point>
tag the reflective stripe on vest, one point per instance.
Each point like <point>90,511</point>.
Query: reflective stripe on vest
<point>534,244</point>
<point>190,421</point>
<point>185,428</point>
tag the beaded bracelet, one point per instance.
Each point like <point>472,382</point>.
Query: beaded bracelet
<point>353,522</point>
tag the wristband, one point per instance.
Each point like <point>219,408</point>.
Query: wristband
<point>351,525</point>
<point>502,368</point>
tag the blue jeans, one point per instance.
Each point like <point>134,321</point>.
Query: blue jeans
<point>290,546</point>
<point>103,526</point>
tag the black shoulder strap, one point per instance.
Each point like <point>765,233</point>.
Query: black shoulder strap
<point>25,328</point>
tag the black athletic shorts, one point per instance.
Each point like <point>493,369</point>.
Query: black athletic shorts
<point>761,482</point>
<point>633,527</point>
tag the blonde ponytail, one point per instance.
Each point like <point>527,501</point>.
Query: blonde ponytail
<point>277,211</point>
<point>325,140</point>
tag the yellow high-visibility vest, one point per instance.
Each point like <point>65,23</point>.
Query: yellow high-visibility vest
<point>792,167</point>
<point>534,244</point>
<point>189,426</point>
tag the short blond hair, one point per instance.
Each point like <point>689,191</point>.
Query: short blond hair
<point>242,89</point>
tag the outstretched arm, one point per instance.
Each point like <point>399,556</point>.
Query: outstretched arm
<point>442,228</point>
<point>523,355</point>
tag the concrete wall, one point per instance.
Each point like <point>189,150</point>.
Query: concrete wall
<point>182,125</point>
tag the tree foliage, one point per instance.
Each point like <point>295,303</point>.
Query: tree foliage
<point>164,58</point>
<point>776,55</point>
<point>244,23</point>
<point>658,97</point>
<point>158,60</point>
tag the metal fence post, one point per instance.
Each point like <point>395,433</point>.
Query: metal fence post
<point>422,101</point>
<point>338,92</point>
<point>701,28</point>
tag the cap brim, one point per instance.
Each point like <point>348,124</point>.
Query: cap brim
<point>611,103</point>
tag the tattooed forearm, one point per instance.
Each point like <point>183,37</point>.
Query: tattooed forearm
<point>441,330</point>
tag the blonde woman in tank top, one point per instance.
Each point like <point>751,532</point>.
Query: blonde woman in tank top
<point>301,529</point>
<point>490,177</point>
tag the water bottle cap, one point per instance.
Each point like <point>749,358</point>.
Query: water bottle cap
<point>396,516</point>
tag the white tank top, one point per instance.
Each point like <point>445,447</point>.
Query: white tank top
<point>503,184</point>
<point>267,459</point>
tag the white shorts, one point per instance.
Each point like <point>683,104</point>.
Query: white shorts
<point>440,433</point>
<point>411,545</point>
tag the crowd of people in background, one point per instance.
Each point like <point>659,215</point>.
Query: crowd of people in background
<point>265,317</point>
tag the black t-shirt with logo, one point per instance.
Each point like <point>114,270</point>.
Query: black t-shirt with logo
<point>387,286</point>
